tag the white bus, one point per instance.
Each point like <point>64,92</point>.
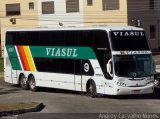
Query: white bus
<point>96,60</point>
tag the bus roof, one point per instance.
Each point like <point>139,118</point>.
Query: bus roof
<point>107,28</point>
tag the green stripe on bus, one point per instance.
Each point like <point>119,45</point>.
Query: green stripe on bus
<point>63,52</point>
<point>13,57</point>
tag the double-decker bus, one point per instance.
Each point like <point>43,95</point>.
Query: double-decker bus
<point>112,60</point>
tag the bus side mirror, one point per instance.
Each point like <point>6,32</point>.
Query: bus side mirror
<point>110,68</point>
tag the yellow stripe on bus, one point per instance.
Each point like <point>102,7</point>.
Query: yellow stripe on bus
<point>29,60</point>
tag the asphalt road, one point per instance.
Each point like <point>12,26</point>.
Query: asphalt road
<point>60,103</point>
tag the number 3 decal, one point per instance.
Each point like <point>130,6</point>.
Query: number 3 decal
<point>86,67</point>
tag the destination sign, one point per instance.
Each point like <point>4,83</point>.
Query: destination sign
<point>130,52</point>
<point>128,33</point>
<point>133,40</point>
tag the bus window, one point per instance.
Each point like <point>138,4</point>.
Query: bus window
<point>33,38</point>
<point>100,39</point>
<point>45,38</point>
<point>22,38</point>
<point>58,38</point>
<point>85,38</point>
<point>83,67</point>
<point>10,38</point>
<point>71,38</point>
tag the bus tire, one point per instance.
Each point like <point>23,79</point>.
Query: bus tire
<point>91,89</point>
<point>157,82</point>
<point>32,84</point>
<point>23,82</point>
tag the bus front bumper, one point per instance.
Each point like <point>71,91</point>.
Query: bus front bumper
<point>120,90</point>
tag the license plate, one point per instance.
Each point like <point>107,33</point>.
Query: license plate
<point>136,91</point>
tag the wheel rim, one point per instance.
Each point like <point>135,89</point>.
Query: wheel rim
<point>156,82</point>
<point>32,84</point>
<point>92,90</point>
<point>23,82</point>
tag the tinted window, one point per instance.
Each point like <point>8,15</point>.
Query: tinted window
<point>21,38</point>
<point>85,38</point>
<point>100,39</point>
<point>94,38</point>
<point>80,67</point>
<point>33,38</point>
<point>58,38</point>
<point>45,38</point>
<point>9,38</point>
<point>71,38</point>
<point>66,66</point>
<point>129,40</point>
<point>89,38</point>
<point>54,65</point>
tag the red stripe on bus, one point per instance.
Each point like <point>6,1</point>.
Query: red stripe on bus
<point>23,58</point>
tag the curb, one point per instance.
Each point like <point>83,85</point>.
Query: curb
<point>37,108</point>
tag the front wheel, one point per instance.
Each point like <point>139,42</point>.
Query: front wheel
<point>32,84</point>
<point>157,82</point>
<point>92,91</point>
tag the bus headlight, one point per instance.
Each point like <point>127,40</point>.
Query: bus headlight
<point>121,84</point>
<point>150,81</point>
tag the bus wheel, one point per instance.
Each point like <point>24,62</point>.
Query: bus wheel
<point>157,82</point>
<point>91,90</point>
<point>32,84</point>
<point>23,82</point>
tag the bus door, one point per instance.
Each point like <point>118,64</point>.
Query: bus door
<point>10,74</point>
<point>14,72</point>
<point>83,72</point>
<point>8,70</point>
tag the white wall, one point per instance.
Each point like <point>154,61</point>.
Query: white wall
<point>60,15</point>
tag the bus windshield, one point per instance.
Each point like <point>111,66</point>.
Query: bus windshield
<point>129,41</point>
<point>133,66</point>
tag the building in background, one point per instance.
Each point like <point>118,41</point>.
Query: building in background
<point>72,13</point>
<point>146,14</point>
<point>105,12</point>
